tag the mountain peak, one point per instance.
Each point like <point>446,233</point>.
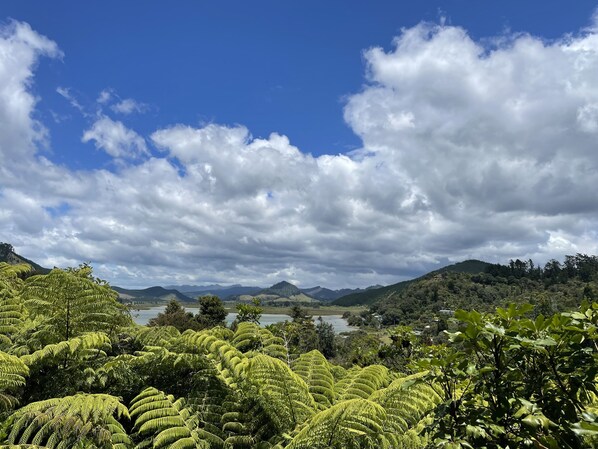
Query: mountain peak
<point>282,288</point>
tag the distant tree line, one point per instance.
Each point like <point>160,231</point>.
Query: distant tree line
<point>579,266</point>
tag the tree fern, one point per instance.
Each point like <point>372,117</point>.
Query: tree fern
<point>361,382</point>
<point>408,402</point>
<point>352,424</point>
<point>165,422</point>
<point>155,335</point>
<point>81,420</point>
<point>85,346</point>
<point>283,394</point>
<point>229,362</point>
<point>251,337</point>
<point>12,376</point>
<point>314,369</point>
<point>11,308</point>
<point>70,304</point>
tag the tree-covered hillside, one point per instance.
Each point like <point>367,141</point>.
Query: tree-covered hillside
<point>373,295</point>
<point>553,288</point>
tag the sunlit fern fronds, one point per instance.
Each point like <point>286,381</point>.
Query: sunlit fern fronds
<point>361,382</point>
<point>283,394</point>
<point>11,273</point>
<point>12,377</point>
<point>155,335</point>
<point>352,424</point>
<point>86,346</point>
<point>408,402</point>
<point>11,307</point>
<point>210,398</point>
<point>229,362</point>
<point>251,337</point>
<point>82,420</point>
<point>223,333</point>
<point>314,369</point>
<point>71,305</point>
<point>338,372</point>
<point>163,422</point>
<point>11,314</point>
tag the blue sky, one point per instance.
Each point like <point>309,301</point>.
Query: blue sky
<point>273,66</point>
<point>120,88</point>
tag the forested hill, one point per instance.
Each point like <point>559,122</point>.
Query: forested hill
<point>8,255</point>
<point>553,288</point>
<point>373,295</point>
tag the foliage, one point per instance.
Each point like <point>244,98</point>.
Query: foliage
<point>515,378</point>
<point>69,303</point>
<point>83,420</point>
<point>175,315</point>
<point>211,312</point>
<point>511,381</point>
<point>162,421</point>
<point>12,377</point>
<point>250,312</point>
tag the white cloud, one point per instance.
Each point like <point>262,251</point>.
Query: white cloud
<point>115,139</point>
<point>66,93</point>
<point>105,96</point>
<point>468,151</point>
<point>128,106</point>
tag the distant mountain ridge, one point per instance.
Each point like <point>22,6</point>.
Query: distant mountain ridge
<point>373,295</point>
<point>151,294</point>
<point>326,294</point>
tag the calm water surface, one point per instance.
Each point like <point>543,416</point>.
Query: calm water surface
<point>339,324</point>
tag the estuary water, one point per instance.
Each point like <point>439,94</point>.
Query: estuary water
<point>339,324</point>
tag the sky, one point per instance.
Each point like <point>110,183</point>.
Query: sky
<point>337,143</point>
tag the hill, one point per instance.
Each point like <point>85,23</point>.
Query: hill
<point>284,288</point>
<point>225,293</point>
<point>222,291</point>
<point>8,255</point>
<point>281,294</point>
<point>370,296</point>
<point>151,294</point>
<point>327,295</point>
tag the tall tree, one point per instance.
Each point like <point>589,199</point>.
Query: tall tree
<point>211,312</point>
<point>71,302</point>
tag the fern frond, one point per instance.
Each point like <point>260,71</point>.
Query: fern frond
<point>164,421</point>
<point>251,337</point>
<point>90,420</point>
<point>155,335</point>
<point>408,402</point>
<point>229,362</point>
<point>361,382</point>
<point>12,376</point>
<point>352,424</point>
<point>283,394</point>
<point>314,369</point>
<point>84,346</point>
<point>70,305</point>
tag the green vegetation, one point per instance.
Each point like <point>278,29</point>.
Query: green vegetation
<point>75,372</point>
<point>211,314</point>
<point>373,295</point>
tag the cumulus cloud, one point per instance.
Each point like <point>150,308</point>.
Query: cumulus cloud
<point>469,150</point>
<point>115,139</point>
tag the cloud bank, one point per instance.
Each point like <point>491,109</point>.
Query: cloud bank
<point>469,150</point>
